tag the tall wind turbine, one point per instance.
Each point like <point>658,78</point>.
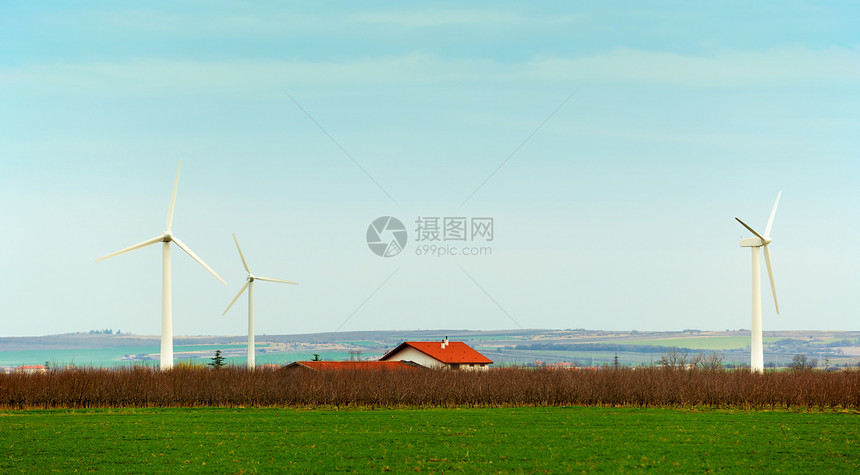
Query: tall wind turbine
<point>756,243</point>
<point>250,286</point>
<point>166,308</point>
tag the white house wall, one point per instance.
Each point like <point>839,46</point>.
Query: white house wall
<point>476,367</point>
<point>411,354</point>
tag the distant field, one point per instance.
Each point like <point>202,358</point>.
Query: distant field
<point>520,439</point>
<point>111,357</point>
<point>286,358</point>
<point>496,338</point>
<point>361,343</point>
<point>103,357</point>
<point>699,342</point>
<point>505,348</point>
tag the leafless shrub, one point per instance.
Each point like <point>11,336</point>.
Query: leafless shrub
<point>711,362</point>
<point>674,358</point>
<point>801,363</point>
<point>661,386</point>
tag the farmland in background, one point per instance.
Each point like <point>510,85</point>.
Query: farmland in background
<point>516,347</point>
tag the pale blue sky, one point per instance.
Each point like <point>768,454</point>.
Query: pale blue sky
<point>617,213</point>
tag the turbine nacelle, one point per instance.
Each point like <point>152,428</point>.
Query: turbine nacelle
<point>755,242</point>
<point>251,277</point>
<point>167,237</point>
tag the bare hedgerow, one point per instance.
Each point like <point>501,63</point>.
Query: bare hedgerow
<point>661,386</point>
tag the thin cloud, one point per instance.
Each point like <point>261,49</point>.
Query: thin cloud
<point>434,18</point>
<point>736,68</point>
<point>730,69</point>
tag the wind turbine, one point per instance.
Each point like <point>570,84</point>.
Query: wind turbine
<point>757,242</point>
<point>250,286</point>
<point>166,308</point>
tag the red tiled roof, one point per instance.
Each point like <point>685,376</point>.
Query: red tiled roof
<point>353,365</point>
<point>32,366</point>
<point>456,352</point>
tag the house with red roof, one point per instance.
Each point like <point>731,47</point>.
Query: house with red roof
<point>352,365</point>
<point>454,355</point>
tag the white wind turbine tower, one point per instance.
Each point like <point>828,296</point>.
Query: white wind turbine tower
<point>757,242</point>
<point>166,308</point>
<point>250,286</point>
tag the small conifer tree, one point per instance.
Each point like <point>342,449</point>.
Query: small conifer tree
<point>218,360</point>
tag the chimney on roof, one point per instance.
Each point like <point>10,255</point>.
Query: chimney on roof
<point>445,343</point>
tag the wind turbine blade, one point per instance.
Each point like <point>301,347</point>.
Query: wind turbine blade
<point>751,230</point>
<point>276,280</point>
<point>770,274</point>
<point>173,198</point>
<point>237,297</point>
<point>244,262</point>
<point>772,214</point>
<point>194,256</point>
<point>131,248</point>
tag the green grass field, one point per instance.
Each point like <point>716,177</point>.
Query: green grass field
<point>501,439</point>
